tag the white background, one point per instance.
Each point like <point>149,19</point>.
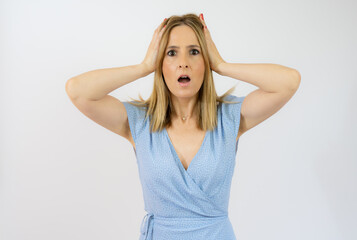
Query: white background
<point>65,177</point>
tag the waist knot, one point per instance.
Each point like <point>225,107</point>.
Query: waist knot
<point>146,228</point>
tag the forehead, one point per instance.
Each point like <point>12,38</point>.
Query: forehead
<point>182,35</point>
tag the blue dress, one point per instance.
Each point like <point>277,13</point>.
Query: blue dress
<point>187,204</point>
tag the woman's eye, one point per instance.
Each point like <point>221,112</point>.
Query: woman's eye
<point>168,53</point>
<point>172,51</point>
<point>196,51</point>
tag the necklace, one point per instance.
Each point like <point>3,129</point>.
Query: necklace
<point>183,117</point>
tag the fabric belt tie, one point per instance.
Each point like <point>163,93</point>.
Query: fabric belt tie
<point>145,225</point>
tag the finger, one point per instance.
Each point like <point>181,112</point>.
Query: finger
<point>162,30</point>
<point>162,23</point>
<point>159,29</point>
<point>203,21</point>
<point>158,38</point>
<point>162,27</point>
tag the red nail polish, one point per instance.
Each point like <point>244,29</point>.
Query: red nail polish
<point>202,16</point>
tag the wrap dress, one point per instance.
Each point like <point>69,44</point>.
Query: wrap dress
<point>187,204</point>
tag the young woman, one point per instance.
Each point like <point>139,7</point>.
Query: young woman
<point>185,137</point>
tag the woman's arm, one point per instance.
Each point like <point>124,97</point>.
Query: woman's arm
<point>277,84</point>
<point>96,84</point>
<point>268,77</point>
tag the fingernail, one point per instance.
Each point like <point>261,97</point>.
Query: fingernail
<point>165,19</point>
<point>202,16</point>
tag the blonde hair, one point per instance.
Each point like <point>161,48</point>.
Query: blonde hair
<point>159,105</point>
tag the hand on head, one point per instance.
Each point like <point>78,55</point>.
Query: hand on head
<point>151,54</point>
<point>215,58</point>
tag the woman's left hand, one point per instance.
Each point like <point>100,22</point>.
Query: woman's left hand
<point>214,58</point>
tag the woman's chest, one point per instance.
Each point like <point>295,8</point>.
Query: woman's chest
<point>186,144</point>
<point>200,159</point>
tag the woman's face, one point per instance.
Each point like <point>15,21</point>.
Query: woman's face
<point>182,58</point>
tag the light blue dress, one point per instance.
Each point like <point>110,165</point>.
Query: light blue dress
<point>187,204</point>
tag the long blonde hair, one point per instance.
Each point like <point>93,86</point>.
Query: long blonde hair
<point>159,105</point>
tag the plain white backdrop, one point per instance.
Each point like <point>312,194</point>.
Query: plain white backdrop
<point>65,177</point>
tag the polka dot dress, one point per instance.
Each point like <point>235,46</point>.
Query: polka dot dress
<point>187,204</point>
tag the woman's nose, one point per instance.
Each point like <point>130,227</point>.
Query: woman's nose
<point>183,62</point>
<point>183,66</point>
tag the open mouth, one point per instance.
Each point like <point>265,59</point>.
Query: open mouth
<point>184,79</point>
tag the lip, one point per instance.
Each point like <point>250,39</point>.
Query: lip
<point>186,84</point>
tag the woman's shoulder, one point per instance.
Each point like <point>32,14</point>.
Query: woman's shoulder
<point>231,108</point>
<point>231,97</point>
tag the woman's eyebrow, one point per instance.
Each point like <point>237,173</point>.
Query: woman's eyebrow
<point>189,46</point>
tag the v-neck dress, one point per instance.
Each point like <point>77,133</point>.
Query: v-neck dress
<point>187,204</point>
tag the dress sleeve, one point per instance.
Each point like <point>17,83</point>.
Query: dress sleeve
<point>231,112</point>
<point>136,117</point>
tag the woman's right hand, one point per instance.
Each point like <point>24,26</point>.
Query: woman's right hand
<point>151,55</point>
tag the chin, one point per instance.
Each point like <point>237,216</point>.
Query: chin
<point>185,94</point>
